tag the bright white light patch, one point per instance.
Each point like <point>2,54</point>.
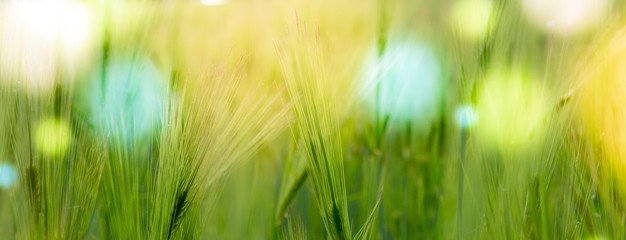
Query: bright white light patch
<point>34,34</point>
<point>465,116</point>
<point>564,16</point>
<point>213,2</point>
<point>69,22</point>
<point>8,175</point>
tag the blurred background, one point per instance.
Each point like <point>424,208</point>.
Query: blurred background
<point>447,119</point>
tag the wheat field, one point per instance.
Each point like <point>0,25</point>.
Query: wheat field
<point>313,119</point>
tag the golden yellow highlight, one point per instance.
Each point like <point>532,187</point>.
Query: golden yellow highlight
<point>603,101</point>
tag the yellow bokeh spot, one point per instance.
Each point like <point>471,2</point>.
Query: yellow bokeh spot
<point>512,110</point>
<point>53,137</point>
<point>472,18</point>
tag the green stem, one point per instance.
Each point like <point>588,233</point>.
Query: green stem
<point>461,182</point>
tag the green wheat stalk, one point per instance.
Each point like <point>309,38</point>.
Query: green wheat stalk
<point>315,120</point>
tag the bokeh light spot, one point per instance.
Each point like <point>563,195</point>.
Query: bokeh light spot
<point>512,109</point>
<point>128,100</point>
<point>465,116</point>
<point>53,137</point>
<point>8,175</point>
<point>564,16</point>
<point>33,34</point>
<point>472,17</point>
<point>213,2</point>
<point>409,77</point>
